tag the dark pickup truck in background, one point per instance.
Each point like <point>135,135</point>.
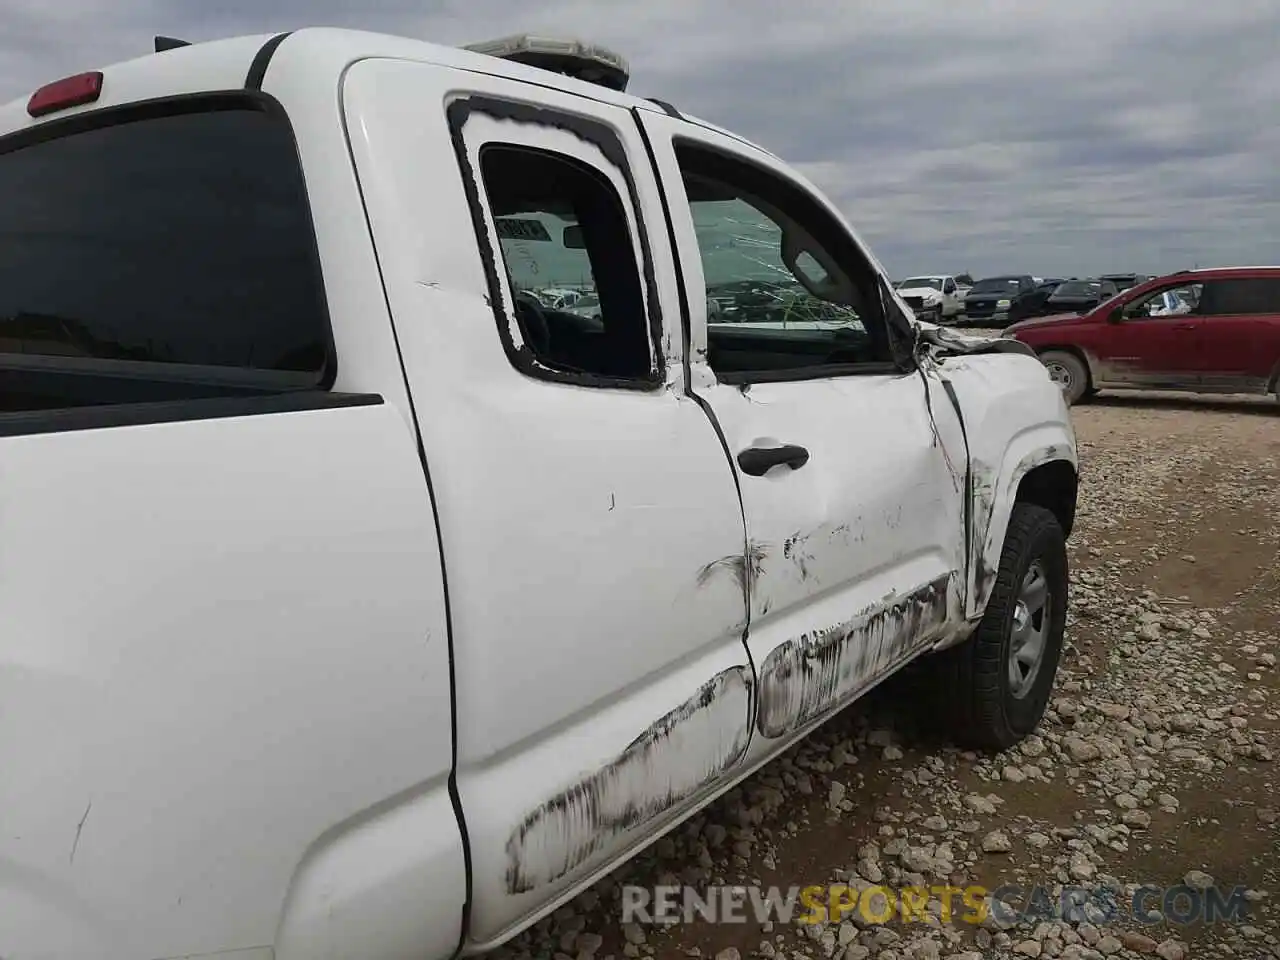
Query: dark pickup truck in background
<point>1080,296</point>
<point>993,299</point>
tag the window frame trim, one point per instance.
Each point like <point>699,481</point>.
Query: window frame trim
<point>891,367</point>
<point>26,423</point>
<point>211,101</point>
<point>610,143</point>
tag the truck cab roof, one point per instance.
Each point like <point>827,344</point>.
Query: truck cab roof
<point>310,55</point>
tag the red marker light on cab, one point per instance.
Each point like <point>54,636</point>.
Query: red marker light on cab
<point>68,92</point>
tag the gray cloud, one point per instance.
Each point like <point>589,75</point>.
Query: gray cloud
<point>987,135</point>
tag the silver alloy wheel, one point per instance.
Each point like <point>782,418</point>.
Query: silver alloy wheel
<point>1059,374</point>
<point>1030,634</point>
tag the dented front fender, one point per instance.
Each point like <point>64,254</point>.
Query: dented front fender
<point>1015,421</point>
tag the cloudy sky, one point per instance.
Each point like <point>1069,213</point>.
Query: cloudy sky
<point>1045,136</point>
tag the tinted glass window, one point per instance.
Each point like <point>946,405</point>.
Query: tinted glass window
<point>1079,288</point>
<point>997,285</point>
<point>1242,295</point>
<point>182,239</point>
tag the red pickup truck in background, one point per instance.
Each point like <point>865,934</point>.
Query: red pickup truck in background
<point>1202,331</point>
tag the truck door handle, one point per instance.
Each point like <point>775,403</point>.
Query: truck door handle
<point>757,461</point>
<point>1185,326</point>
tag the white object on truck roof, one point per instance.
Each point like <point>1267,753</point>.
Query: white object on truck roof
<point>570,56</point>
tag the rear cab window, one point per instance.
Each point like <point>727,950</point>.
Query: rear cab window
<point>157,252</point>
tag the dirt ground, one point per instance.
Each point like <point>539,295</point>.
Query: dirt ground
<point>1153,767</point>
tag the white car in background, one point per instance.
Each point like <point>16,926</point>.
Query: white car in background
<point>587,305</point>
<point>932,298</point>
<point>559,298</point>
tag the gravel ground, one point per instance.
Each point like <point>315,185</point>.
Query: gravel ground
<point>1153,766</point>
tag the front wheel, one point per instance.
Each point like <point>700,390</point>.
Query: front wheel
<point>993,689</point>
<point>1068,372</point>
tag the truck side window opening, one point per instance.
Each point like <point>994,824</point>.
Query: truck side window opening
<point>161,256</point>
<point>768,321</point>
<point>562,224</point>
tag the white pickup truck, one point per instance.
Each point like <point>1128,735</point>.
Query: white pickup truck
<point>355,607</point>
<point>934,298</point>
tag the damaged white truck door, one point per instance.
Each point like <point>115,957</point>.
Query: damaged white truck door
<point>601,685</point>
<point>851,484</point>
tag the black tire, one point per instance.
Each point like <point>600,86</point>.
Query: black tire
<point>1069,372</point>
<point>977,702</point>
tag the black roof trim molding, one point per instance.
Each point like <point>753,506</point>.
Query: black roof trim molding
<point>667,108</point>
<point>258,69</point>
